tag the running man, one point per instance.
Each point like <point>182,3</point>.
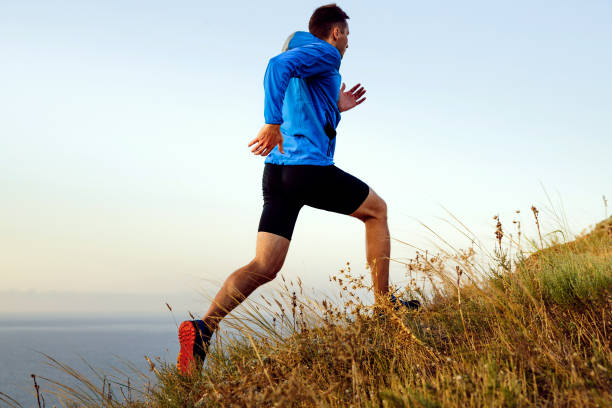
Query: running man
<point>303,101</point>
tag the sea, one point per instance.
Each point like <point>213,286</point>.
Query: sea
<point>94,346</point>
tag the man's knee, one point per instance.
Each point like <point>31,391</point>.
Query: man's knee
<point>374,208</point>
<point>381,209</point>
<point>264,270</point>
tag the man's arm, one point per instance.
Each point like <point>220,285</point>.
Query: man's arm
<point>300,62</point>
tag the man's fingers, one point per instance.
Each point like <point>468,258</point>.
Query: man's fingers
<point>353,88</point>
<point>264,144</point>
<point>359,93</point>
<point>342,87</point>
<point>361,89</point>
<point>359,101</point>
<point>257,147</point>
<point>260,148</point>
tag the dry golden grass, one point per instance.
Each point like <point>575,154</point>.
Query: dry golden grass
<point>520,331</point>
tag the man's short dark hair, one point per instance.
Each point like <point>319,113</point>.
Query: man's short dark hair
<point>325,18</point>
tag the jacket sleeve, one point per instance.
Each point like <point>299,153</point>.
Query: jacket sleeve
<point>300,62</point>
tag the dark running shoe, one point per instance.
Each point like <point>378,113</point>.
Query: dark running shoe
<point>410,304</point>
<point>194,337</point>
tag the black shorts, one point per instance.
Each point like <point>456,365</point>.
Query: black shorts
<point>286,188</point>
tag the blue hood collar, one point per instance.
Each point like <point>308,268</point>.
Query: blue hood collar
<point>302,38</point>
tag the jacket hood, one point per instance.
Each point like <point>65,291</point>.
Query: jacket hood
<point>302,38</point>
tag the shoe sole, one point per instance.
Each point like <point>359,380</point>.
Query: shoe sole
<point>187,337</point>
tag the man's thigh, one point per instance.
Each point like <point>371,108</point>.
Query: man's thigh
<point>281,205</point>
<point>332,189</point>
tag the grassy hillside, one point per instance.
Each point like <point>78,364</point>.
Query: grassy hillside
<point>519,331</point>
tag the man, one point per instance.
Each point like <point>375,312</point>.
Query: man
<point>303,102</point>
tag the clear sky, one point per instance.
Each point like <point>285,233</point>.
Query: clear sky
<point>124,126</point>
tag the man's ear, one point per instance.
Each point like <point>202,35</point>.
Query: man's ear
<point>336,33</point>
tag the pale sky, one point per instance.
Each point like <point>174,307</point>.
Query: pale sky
<point>124,126</point>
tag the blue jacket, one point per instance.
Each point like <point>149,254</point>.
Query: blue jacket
<point>302,85</point>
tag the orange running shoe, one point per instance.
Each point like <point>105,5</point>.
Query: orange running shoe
<point>194,337</point>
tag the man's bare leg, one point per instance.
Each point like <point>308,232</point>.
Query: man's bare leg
<point>270,254</point>
<point>373,212</point>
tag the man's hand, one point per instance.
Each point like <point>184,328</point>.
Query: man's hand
<point>350,99</point>
<point>269,136</point>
